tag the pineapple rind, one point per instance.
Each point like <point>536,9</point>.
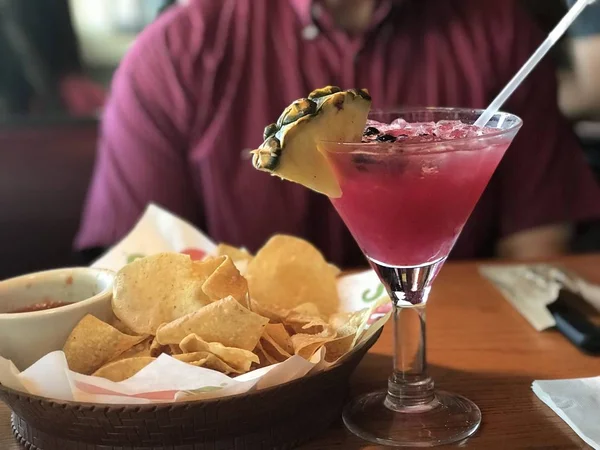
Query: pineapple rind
<point>291,152</point>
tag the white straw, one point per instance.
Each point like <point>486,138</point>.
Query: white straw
<point>552,38</point>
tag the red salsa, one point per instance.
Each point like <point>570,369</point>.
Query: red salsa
<point>46,304</point>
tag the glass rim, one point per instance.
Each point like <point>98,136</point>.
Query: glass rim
<point>364,147</point>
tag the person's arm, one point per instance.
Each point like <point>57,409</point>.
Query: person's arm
<point>580,85</point>
<point>544,183</point>
<point>537,243</point>
<point>143,147</point>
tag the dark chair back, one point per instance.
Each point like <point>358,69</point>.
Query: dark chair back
<point>44,175</point>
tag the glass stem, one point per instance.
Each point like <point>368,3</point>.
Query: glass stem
<point>409,387</point>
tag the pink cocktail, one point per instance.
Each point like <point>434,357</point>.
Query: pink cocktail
<point>406,202</point>
<point>406,192</point>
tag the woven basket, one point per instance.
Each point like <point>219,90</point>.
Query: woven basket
<point>280,417</point>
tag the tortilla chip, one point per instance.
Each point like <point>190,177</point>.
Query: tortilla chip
<point>348,323</point>
<point>274,314</point>
<point>338,336</point>
<point>240,256</point>
<point>338,347</point>
<point>173,350</point>
<point>122,327</point>
<point>207,360</point>
<point>277,335</point>
<point>192,357</point>
<point>157,289</point>
<point>306,319</point>
<point>274,351</point>
<point>236,254</point>
<point>305,345</point>
<point>287,271</point>
<point>137,351</point>
<point>225,281</point>
<point>204,268</point>
<point>225,321</point>
<point>156,349</point>
<point>307,309</point>
<point>261,356</point>
<point>241,360</point>
<point>335,270</point>
<point>346,326</point>
<point>93,343</point>
<point>123,369</point>
<point>265,357</point>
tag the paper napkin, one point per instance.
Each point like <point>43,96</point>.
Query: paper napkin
<point>530,288</point>
<point>577,402</point>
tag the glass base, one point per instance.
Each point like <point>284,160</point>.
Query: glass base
<point>448,418</point>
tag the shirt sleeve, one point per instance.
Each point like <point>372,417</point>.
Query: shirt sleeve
<point>544,178</point>
<point>143,144</point>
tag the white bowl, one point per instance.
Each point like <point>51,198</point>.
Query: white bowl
<point>27,336</point>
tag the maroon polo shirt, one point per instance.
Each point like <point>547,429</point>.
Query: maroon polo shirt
<point>197,88</point>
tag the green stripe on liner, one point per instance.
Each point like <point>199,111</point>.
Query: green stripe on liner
<point>370,295</point>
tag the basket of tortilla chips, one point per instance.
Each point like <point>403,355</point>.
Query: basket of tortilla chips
<point>228,351</point>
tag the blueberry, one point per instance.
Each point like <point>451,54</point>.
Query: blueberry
<point>363,159</point>
<point>386,138</point>
<point>371,131</point>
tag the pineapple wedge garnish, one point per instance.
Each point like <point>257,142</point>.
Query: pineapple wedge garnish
<point>290,151</point>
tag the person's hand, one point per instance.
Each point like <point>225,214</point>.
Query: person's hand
<point>81,96</point>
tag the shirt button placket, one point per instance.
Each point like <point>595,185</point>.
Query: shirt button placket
<point>310,32</point>
<point>350,62</point>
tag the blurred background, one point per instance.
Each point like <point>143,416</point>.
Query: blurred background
<point>57,58</point>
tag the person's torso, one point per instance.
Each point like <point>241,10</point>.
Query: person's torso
<point>423,54</point>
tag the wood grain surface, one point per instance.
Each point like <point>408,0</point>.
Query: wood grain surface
<point>478,346</point>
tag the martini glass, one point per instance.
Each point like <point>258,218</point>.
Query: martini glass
<point>406,203</point>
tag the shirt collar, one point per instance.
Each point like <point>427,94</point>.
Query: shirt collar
<point>304,10</point>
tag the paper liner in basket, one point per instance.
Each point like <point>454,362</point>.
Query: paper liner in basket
<point>167,379</point>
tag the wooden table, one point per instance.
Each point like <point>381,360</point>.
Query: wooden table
<point>481,347</point>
